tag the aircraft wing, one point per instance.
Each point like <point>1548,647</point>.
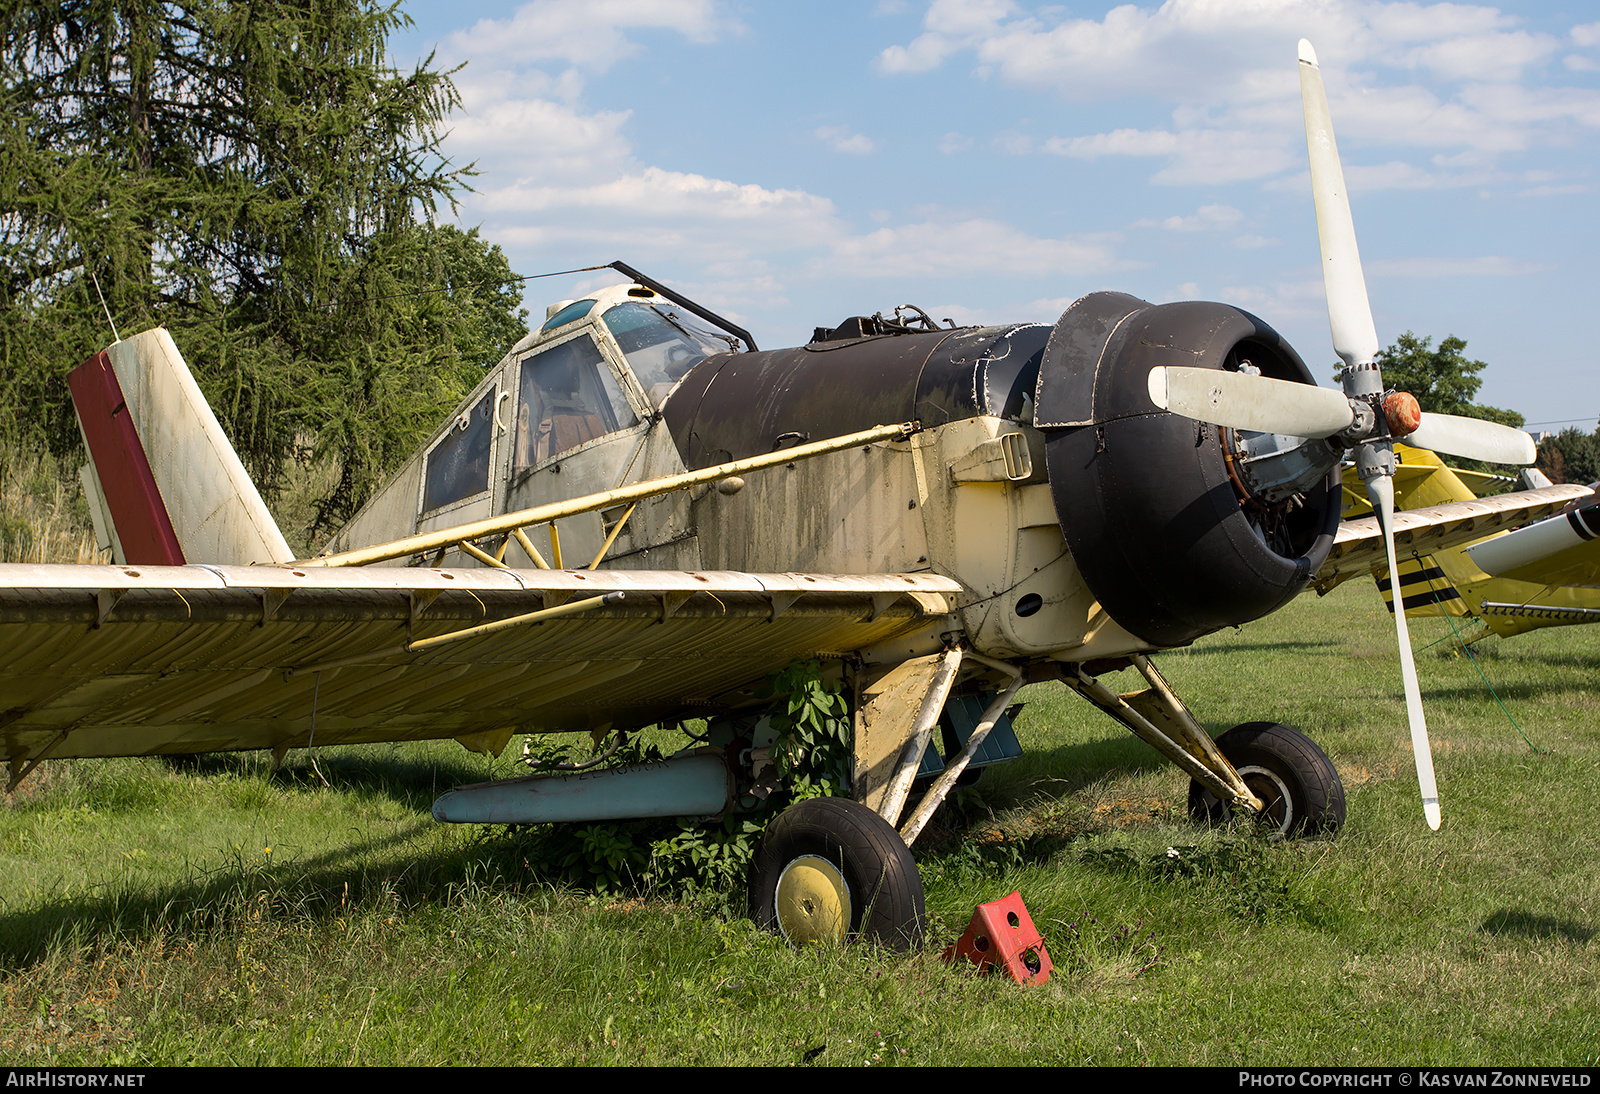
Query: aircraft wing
<point>137,660</point>
<point>1358,547</point>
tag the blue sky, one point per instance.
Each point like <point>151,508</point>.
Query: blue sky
<point>792,164</point>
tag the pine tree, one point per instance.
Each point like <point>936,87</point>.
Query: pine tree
<point>257,177</point>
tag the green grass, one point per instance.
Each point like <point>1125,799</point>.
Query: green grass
<point>208,912</point>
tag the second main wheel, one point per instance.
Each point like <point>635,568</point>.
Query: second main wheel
<point>1285,769</point>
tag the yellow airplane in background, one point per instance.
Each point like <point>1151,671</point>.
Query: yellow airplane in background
<point>1545,574</point>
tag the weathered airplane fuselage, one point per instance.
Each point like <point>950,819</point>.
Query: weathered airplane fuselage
<point>1082,521</point>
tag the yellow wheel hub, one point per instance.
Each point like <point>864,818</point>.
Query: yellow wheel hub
<point>813,902</point>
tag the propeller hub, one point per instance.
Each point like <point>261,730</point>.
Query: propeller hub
<point>1375,459</point>
<point>1403,413</point>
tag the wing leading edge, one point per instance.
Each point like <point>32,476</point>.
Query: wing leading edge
<point>1358,548</point>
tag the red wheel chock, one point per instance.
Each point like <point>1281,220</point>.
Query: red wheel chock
<point>1002,935</point>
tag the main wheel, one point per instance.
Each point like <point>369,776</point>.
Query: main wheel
<point>832,870</point>
<point>1285,769</point>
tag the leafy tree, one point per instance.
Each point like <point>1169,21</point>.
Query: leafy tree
<point>1570,456</point>
<point>259,179</point>
<point>1443,379</point>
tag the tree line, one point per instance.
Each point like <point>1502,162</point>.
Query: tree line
<point>258,178</point>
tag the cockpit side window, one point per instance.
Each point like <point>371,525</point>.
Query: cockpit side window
<point>661,344</point>
<point>566,395</point>
<point>458,466</point>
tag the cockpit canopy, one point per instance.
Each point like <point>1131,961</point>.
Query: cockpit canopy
<point>597,366</point>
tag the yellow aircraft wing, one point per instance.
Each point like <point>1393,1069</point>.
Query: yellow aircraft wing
<point>1358,547</point>
<point>137,660</point>
<point>1553,590</point>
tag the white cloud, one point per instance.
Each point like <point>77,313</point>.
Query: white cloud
<point>1394,175</point>
<point>1193,155</point>
<point>525,121</point>
<point>553,173</point>
<point>950,25</point>
<point>1299,299</point>
<point>938,248</point>
<point>1553,190</point>
<point>1413,75</point>
<point>524,137</point>
<point>558,178</point>
<point>1119,142</point>
<point>841,139</point>
<point>952,143</point>
<point>675,202</point>
<point>588,34</point>
<point>1207,218</point>
<point>1496,57</point>
<point>1195,50</point>
<point>1012,143</point>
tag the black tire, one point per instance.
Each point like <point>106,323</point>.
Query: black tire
<point>1285,769</point>
<point>834,841</point>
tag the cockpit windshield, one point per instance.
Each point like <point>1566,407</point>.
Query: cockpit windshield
<point>661,343</point>
<point>566,396</point>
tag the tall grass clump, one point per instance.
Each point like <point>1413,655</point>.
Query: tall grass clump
<point>43,514</point>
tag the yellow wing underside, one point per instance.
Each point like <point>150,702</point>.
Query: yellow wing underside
<point>120,661</point>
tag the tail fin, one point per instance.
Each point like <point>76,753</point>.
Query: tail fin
<point>1430,584</point>
<point>1426,586</point>
<point>162,477</point>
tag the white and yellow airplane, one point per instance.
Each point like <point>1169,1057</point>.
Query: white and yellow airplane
<point>1544,574</point>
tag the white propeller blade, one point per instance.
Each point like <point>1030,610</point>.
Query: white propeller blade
<point>1349,314</point>
<point>1242,401</point>
<point>1380,491</point>
<point>1473,438</point>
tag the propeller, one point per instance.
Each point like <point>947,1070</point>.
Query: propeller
<point>1242,401</point>
<point>1355,340</point>
<point>1360,418</point>
<point>1473,438</point>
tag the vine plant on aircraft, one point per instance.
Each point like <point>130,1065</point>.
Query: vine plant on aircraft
<point>942,514</point>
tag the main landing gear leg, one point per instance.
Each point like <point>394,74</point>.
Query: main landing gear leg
<point>1157,717</point>
<point>1262,769</point>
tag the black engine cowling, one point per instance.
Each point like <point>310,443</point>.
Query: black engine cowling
<point>1156,526</point>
